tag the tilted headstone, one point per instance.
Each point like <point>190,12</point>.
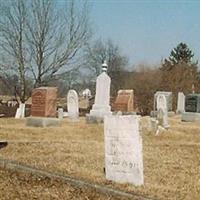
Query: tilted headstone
<point>162,115</point>
<point>44,101</point>
<point>124,101</point>
<point>20,113</point>
<point>123,149</point>
<point>72,104</point>
<point>101,106</point>
<point>180,103</point>
<point>168,96</point>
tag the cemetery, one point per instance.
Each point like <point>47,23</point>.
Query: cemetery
<point>151,157</point>
<point>78,121</point>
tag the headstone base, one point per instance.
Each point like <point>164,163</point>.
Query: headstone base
<point>73,119</point>
<point>100,111</point>
<point>190,117</point>
<point>93,119</point>
<point>65,114</point>
<point>178,112</point>
<point>154,113</point>
<point>97,114</point>
<point>124,113</point>
<point>42,121</point>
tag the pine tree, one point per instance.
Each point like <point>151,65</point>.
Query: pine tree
<point>180,71</point>
<point>179,55</point>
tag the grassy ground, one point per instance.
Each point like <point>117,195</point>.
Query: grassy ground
<point>23,187</point>
<point>171,159</point>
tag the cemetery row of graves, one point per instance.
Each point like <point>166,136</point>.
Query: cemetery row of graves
<point>155,156</point>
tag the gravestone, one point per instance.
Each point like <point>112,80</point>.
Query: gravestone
<point>60,113</point>
<point>162,114</point>
<point>123,149</point>
<point>43,108</point>
<point>44,101</point>
<point>72,105</point>
<point>20,113</point>
<point>168,96</point>
<point>124,101</point>
<point>192,108</point>
<point>180,103</point>
<point>86,93</point>
<point>101,105</point>
<point>192,103</point>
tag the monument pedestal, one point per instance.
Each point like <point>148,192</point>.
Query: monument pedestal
<point>154,113</point>
<point>101,106</point>
<point>97,114</point>
<point>42,121</point>
<point>190,117</point>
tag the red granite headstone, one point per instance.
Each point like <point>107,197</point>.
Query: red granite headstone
<point>124,101</point>
<point>44,102</point>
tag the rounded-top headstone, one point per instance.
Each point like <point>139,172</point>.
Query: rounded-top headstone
<point>72,104</point>
<point>161,102</point>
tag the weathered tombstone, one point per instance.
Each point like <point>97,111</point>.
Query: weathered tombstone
<point>123,149</point>
<point>43,108</point>
<point>180,103</point>
<point>60,113</point>
<point>65,114</point>
<point>124,101</point>
<point>168,96</point>
<point>148,124</point>
<point>86,93</point>
<point>44,102</point>
<point>192,108</point>
<point>20,113</point>
<point>162,114</point>
<point>72,105</point>
<point>101,106</point>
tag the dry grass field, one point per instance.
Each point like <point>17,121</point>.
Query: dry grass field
<point>30,187</point>
<point>171,159</point>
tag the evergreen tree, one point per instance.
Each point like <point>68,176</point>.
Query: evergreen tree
<point>179,55</point>
<point>179,71</point>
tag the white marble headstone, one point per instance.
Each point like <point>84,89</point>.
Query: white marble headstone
<point>72,105</point>
<point>20,113</point>
<point>181,103</point>
<point>123,149</point>
<point>60,113</point>
<point>101,106</point>
<point>162,109</point>
<point>86,93</point>
<point>168,96</point>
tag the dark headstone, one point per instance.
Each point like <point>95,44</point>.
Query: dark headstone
<point>192,103</point>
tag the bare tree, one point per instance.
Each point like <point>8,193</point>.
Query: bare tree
<point>100,51</point>
<point>12,35</point>
<point>55,38</point>
<point>40,40</point>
